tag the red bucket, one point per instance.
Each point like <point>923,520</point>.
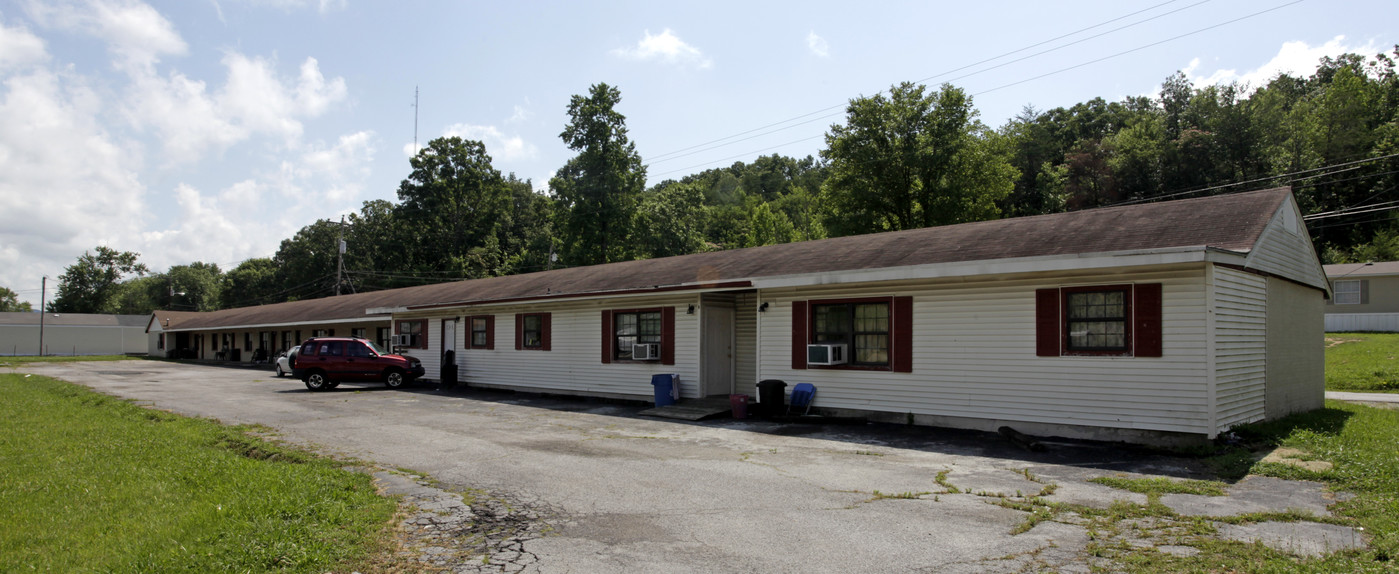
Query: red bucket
<point>740,406</point>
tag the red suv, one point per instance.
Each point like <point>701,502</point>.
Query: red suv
<point>325,362</point>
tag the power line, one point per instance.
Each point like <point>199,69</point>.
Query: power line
<point>679,153</point>
<point>686,151</point>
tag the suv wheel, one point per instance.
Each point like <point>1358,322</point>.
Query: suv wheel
<point>316,381</point>
<point>394,379</point>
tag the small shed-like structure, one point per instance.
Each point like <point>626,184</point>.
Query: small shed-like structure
<point>1159,322</point>
<point>72,334</point>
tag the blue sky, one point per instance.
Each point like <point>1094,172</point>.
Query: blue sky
<point>210,130</point>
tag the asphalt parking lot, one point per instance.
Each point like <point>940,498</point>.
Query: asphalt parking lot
<point>573,485</point>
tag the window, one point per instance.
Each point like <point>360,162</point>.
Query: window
<point>532,331</point>
<point>1097,320</point>
<point>286,340</point>
<point>356,349</point>
<point>247,342</point>
<point>623,328</point>
<point>416,328</point>
<point>1103,320</point>
<point>357,333</point>
<point>160,343</point>
<point>478,332</point>
<point>298,338</point>
<point>381,336</point>
<point>635,328</point>
<point>862,327</point>
<point>1347,292</point>
<point>877,332</point>
<point>320,333</point>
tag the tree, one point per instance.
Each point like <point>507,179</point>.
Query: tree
<point>252,282</point>
<point>598,189</point>
<point>454,201</point>
<point>671,221</point>
<point>914,159</point>
<point>92,284</point>
<point>9,302</point>
<point>306,262</point>
<point>195,287</point>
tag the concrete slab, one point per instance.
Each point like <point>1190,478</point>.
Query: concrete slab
<point>1255,494</point>
<point>1309,539</point>
<point>1363,397</point>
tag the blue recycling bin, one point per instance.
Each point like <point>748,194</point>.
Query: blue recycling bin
<point>667,389</point>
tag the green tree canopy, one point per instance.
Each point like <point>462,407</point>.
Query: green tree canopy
<point>598,189</point>
<point>9,302</point>
<point>252,282</point>
<point>92,284</point>
<point>454,202</point>
<point>913,159</point>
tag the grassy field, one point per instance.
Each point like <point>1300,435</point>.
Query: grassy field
<point>21,359</point>
<point>91,483</point>
<point>1362,362</point>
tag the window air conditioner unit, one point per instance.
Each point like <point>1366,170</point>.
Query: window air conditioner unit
<point>646,352</point>
<point>825,354</point>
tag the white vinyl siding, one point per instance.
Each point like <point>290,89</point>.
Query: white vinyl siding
<point>746,342</point>
<point>1240,336</point>
<point>974,357</point>
<point>1285,250</point>
<point>574,362</point>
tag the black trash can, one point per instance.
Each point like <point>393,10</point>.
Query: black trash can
<point>449,369</point>
<point>772,395</point>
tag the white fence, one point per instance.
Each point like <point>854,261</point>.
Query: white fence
<point>1341,322</point>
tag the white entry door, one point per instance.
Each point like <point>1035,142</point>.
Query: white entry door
<point>717,350</point>
<point>449,335</point>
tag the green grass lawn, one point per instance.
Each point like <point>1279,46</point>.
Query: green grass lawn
<point>22,359</point>
<point>91,483</point>
<point>1362,362</point>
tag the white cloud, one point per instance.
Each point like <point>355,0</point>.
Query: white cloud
<point>136,34</point>
<point>66,184</point>
<point>498,145</point>
<point>665,47</point>
<point>817,45</point>
<point>1295,58</point>
<point>253,100</point>
<point>19,48</point>
<point>323,6</point>
<point>522,114</point>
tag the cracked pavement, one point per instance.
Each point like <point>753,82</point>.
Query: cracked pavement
<point>573,485</point>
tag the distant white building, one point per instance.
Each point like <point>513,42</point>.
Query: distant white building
<point>72,334</point>
<point>1366,297</point>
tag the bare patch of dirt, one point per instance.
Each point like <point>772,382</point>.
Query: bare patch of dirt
<point>1336,341</point>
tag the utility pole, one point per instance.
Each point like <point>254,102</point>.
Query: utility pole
<point>415,120</point>
<point>43,294</point>
<point>340,255</point>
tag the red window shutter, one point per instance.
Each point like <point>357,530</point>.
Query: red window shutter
<point>1047,326</point>
<point>490,332</point>
<point>607,336</point>
<point>545,329</point>
<point>799,336</point>
<point>901,335</point>
<point>668,335</point>
<point>1146,311</point>
<point>519,331</point>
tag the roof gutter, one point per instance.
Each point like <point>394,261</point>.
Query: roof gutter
<point>588,295</point>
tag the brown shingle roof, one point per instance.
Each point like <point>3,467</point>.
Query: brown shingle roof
<point>1231,222</point>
